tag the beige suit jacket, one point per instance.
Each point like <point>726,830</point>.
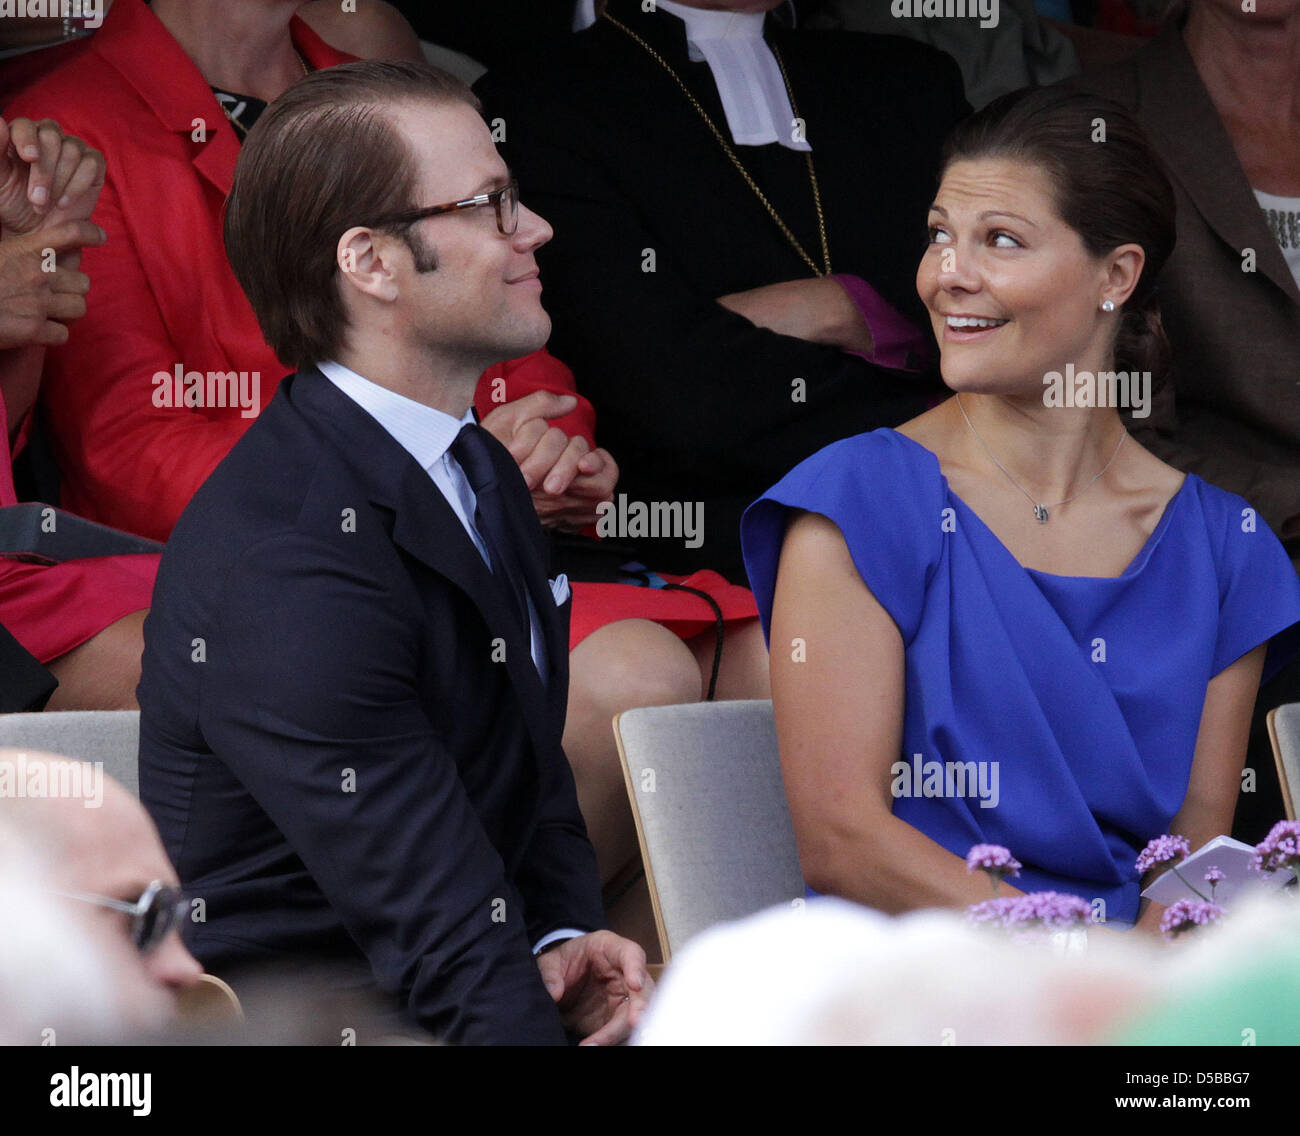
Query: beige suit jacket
<point>1232,412</point>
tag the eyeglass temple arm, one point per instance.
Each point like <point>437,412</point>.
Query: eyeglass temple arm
<point>102,901</point>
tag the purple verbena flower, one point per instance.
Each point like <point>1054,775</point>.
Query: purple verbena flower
<point>994,859</point>
<point>992,912</point>
<point>1162,850</point>
<point>1184,914</point>
<point>1213,877</point>
<point>1050,909</point>
<point>1279,849</point>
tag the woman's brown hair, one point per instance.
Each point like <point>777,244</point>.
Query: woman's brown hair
<point>1109,184</point>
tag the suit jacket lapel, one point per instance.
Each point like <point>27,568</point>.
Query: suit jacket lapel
<point>1195,145</point>
<point>425,526</point>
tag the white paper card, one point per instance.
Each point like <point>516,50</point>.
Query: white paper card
<point>1232,858</point>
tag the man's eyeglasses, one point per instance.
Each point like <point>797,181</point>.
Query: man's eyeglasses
<point>153,915</point>
<point>504,200</point>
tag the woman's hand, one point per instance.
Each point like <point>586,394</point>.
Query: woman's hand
<point>46,177</point>
<point>566,477</point>
<point>39,293</point>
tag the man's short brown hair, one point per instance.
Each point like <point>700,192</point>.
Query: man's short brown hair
<point>325,156</point>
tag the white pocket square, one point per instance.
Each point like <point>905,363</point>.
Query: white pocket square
<point>560,589</point>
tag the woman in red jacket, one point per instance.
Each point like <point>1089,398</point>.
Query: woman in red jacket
<point>81,618</point>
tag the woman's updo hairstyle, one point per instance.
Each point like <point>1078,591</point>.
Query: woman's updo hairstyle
<point>1113,191</point>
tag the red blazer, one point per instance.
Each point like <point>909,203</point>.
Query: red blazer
<point>541,370</point>
<point>162,292</point>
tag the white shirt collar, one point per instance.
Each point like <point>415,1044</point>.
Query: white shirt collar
<point>425,433</point>
<point>702,24</point>
<point>747,75</point>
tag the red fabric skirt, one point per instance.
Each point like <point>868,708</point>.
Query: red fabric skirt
<point>684,614</point>
<point>50,609</point>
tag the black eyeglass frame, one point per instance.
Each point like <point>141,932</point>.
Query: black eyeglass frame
<point>495,198</point>
<point>167,905</point>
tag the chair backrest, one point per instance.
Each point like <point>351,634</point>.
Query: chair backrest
<point>705,784</point>
<point>110,736</point>
<point>1284,733</point>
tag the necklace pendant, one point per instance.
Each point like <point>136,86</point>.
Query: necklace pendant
<point>1040,511</point>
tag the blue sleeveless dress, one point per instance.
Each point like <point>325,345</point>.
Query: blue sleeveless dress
<point>1077,698</point>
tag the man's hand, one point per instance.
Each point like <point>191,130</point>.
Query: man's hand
<point>818,310</point>
<point>600,984</point>
<point>566,477</point>
<point>36,303</point>
<point>46,177</point>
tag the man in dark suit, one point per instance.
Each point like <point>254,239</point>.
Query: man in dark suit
<point>717,332</point>
<point>355,668</point>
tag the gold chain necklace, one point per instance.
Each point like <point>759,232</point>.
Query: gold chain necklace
<point>241,131</point>
<point>735,161</point>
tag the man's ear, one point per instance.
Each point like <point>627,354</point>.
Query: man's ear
<point>366,262</point>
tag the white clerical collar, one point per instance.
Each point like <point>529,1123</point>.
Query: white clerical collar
<point>746,72</point>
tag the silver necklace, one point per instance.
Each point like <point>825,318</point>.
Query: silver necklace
<point>1041,512</point>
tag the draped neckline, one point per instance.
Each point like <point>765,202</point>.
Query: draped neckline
<point>1134,566</point>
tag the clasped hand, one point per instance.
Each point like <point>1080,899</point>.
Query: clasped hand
<point>566,477</point>
<point>49,184</point>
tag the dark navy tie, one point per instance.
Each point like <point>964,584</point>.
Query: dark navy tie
<point>470,449</point>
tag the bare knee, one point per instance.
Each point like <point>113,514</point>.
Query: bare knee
<point>104,671</point>
<point>632,662</point>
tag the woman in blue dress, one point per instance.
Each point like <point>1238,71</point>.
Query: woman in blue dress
<point>1006,621</point>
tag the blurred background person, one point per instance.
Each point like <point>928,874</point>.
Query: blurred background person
<point>77,962</point>
<point>833,973</point>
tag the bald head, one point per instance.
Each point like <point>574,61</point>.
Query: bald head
<point>94,837</point>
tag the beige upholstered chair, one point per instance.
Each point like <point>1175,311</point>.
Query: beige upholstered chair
<point>110,736</point>
<point>705,784</point>
<point>1284,733</point>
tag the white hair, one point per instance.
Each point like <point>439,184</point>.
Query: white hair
<point>833,973</point>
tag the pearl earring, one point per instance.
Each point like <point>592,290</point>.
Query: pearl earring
<point>1108,305</point>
